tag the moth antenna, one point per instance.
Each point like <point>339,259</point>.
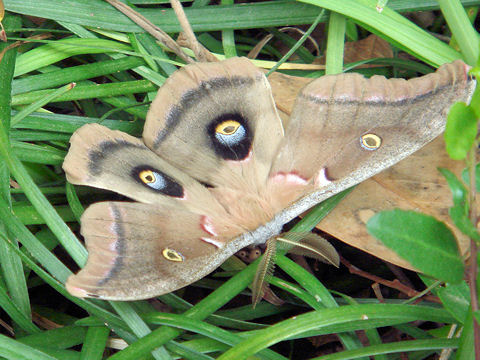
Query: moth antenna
<point>309,244</point>
<point>264,272</point>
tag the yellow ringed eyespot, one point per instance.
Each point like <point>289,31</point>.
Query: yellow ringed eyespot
<point>370,141</point>
<point>227,127</point>
<point>172,255</point>
<point>147,176</point>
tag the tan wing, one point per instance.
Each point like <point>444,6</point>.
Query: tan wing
<point>347,128</point>
<point>217,122</point>
<point>116,161</point>
<point>137,251</point>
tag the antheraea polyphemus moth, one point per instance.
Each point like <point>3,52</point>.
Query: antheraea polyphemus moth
<point>215,172</point>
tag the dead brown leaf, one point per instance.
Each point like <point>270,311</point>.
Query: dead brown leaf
<point>365,49</point>
<point>412,184</point>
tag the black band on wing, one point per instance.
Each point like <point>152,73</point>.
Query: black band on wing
<point>107,149</point>
<point>156,180</point>
<point>120,245</point>
<point>230,136</point>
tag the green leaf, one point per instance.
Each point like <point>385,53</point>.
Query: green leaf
<point>460,131</point>
<point>455,298</point>
<point>459,211</point>
<point>459,192</point>
<point>466,176</point>
<point>475,100</point>
<point>425,242</point>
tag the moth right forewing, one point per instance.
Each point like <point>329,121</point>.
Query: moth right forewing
<point>346,128</point>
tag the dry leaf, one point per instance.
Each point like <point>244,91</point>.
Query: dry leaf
<point>368,48</point>
<point>412,184</point>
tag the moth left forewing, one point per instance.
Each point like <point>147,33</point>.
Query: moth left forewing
<point>113,160</point>
<point>346,128</point>
<point>137,251</point>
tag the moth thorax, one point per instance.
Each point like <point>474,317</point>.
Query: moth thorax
<point>264,232</point>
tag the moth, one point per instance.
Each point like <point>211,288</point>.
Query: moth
<point>215,171</point>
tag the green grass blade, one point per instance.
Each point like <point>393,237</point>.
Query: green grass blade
<point>138,326</point>
<point>61,49</point>
<point>319,292</point>
<point>461,28</point>
<point>392,25</point>
<point>335,44</point>
<point>200,311</point>
<point>95,343</point>
<point>58,338</point>
<point>200,327</point>
<point>391,348</point>
<point>88,92</point>
<point>101,15</point>
<point>14,350</point>
<point>33,245</point>
<point>74,74</point>
<point>34,106</point>
<point>366,316</point>
<point>228,37</point>
<point>11,265</point>
<point>52,219</point>
<point>16,314</point>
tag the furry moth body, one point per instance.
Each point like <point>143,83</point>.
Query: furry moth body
<point>215,172</point>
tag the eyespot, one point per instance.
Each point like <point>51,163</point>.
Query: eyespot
<point>230,133</point>
<point>228,127</point>
<point>147,176</point>
<point>157,180</point>
<point>172,255</point>
<point>152,179</point>
<point>370,141</point>
<point>230,136</point>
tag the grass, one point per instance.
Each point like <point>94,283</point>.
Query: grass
<point>117,70</point>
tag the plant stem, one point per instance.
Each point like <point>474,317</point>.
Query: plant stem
<point>472,269</point>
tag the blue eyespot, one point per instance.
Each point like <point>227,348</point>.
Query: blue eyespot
<point>152,179</point>
<point>158,181</point>
<point>231,136</point>
<point>230,132</point>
